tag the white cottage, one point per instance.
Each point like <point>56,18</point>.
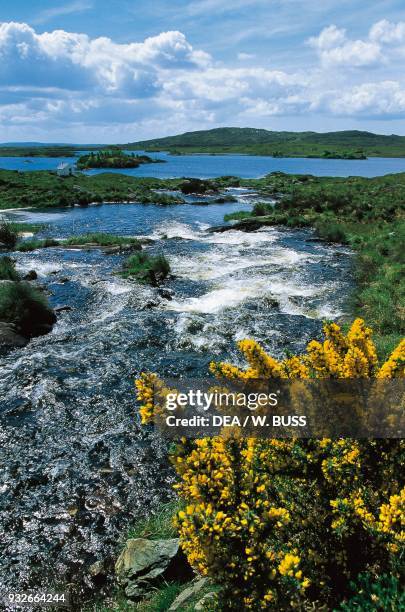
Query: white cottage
<point>65,169</point>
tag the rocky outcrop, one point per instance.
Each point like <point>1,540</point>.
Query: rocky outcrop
<point>143,563</point>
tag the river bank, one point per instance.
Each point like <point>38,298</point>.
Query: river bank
<point>77,467</point>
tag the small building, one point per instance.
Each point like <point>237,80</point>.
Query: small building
<point>65,169</point>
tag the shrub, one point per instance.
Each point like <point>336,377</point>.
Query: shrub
<point>371,594</point>
<point>8,235</point>
<point>26,307</point>
<point>7,269</point>
<point>147,268</point>
<point>331,232</point>
<point>285,523</point>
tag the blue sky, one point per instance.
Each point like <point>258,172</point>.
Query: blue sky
<point>103,71</point>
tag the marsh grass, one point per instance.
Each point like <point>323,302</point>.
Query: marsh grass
<point>24,306</point>
<point>7,269</point>
<point>146,268</point>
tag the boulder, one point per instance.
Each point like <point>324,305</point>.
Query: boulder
<point>9,337</point>
<point>31,276</point>
<point>144,562</point>
<point>188,594</point>
<point>63,309</point>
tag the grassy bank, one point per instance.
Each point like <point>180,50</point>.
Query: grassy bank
<point>44,189</point>
<point>91,239</point>
<point>367,215</point>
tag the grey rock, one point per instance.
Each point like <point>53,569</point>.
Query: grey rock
<point>63,309</point>
<point>143,562</point>
<point>9,336</point>
<point>189,593</point>
<point>31,276</point>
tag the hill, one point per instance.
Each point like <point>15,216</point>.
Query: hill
<point>351,143</point>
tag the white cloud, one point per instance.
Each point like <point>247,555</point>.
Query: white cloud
<point>66,82</point>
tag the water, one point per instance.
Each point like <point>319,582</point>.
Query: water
<point>76,466</point>
<point>210,166</point>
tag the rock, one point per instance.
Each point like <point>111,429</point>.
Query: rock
<point>31,276</point>
<point>167,294</point>
<point>189,593</point>
<point>63,309</point>
<point>143,563</point>
<point>63,280</point>
<point>97,568</point>
<point>204,601</point>
<point>9,337</point>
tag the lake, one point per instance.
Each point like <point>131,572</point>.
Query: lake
<point>245,166</point>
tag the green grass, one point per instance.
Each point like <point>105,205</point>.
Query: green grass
<point>102,240</point>
<point>24,306</point>
<point>146,268</point>
<point>31,245</point>
<point>7,269</point>
<point>8,235</point>
<point>44,189</point>
<point>158,525</point>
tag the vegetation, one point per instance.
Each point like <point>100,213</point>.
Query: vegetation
<point>8,235</point>
<point>25,307</point>
<point>43,189</point>
<point>383,593</point>
<point>113,158</point>
<point>37,151</point>
<point>345,145</point>
<point>32,245</point>
<point>146,268</point>
<point>158,525</point>
<point>279,523</point>
<point>7,270</point>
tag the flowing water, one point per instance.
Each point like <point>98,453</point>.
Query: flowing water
<point>76,466</point>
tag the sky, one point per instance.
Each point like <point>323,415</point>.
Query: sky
<point>117,71</point>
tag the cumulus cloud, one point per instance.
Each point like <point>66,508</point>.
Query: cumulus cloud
<point>61,82</point>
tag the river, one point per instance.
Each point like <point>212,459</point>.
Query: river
<point>76,466</point>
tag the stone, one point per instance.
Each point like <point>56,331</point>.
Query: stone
<point>63,309</point>
<point>209,597</point>
<point>9,337</point>
<point>189,593</point>
<point>144,562</point>
<point>31,276</point>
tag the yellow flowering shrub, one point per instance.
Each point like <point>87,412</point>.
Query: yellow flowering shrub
<point>282,522</point>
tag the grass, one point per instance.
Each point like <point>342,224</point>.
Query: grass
<point>146,268</point>
<point>156,526</point>
<point>7,269</point>
<point>25,307</point>
<point>44,189</point>
<point>31,245</point>
<point>8,235</point>
<point>102,240</point>
<point>96,238</point>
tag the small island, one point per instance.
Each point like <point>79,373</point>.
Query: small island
<point>113,158</point>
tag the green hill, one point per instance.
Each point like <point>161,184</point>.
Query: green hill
<point>348,144</point>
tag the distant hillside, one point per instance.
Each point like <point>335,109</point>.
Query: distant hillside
<point>282,144</point>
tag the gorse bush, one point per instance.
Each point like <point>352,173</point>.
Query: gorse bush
<point>384,593</point>
<point>286,523</point>
<point>7,269</point>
